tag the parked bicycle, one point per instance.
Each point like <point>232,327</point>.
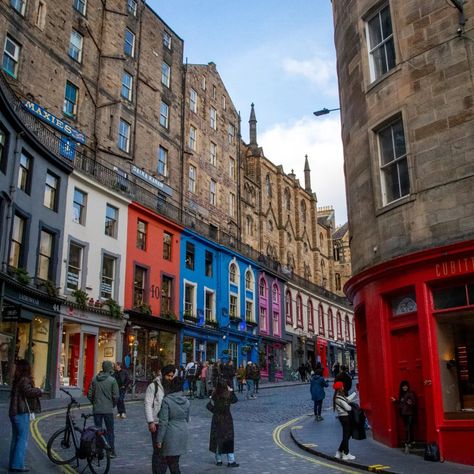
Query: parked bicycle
<point>72,443</point>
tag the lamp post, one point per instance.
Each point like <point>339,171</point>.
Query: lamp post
<point>324,111</point>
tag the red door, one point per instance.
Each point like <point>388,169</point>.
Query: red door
<point>407,366</point>
<point>89,359</point>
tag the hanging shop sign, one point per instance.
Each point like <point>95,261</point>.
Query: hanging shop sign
<point>151,180</point>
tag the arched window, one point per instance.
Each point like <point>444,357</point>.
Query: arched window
<point>321,240</point>
<point>287,199</point>
<point>268,186</point>
<point>303,210</point>
<point>233,273</point>
<point>321,320</point>
<point>310,316</point>
<point>275,294</point>
<point>249,280</point>
<point>338,282</point>
<point>330,324</point>
<point>347,328</point>
<point>339,325</point>
<point>323,273</point>
<point>288,307</point>
<point>249,225</point>
<point>299,311</point>
<point>262,288</point>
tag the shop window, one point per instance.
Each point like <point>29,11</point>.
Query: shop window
<point>70,356</point>
<point>38,350</point>
<point>74,266</point>
<point>233,353</point>
<point>190,256</point>
<point>209,306</point>
<point>45,255</point>
<point>107,287</point>
<point>208,263</point>
<point>142,228</point>
<point>453,297</point>
<point>166,295</point>
<point>139,285</point>
<point>167,240</point>
<point>17,243</point>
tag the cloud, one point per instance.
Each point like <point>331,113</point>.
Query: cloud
<point>320,139</point>
<point>319,71</point>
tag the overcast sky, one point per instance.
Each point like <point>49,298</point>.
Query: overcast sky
<point>280,55</point>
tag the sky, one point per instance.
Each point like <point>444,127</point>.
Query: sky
<point>278,54</point>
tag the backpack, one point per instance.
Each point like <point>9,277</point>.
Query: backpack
<point>432,452</point>
<point>357,417</point>
<point>191,371</point>
<point>88,443</point>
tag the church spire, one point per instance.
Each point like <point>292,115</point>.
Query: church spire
<point>307,175</point>
<point>253,126</point>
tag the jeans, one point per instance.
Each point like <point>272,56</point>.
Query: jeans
<point>200,389</point>
<point>230,457</point>
<point>165,462</point>
<point>108,418</point>
<point>121,401</point>
<point>155,459</point>
<point>346,434</point>
<point>20,431</point>
<point>408,423</point>
<point>250,388</point>
<point>318,405</point>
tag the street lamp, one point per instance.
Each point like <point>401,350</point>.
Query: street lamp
<point>324,111</point>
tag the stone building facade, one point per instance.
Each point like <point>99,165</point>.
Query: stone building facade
<point>407,102</point>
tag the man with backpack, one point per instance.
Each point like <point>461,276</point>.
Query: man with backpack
<point>191,371</point>
<point>103,393</point>
<point>153,399</point>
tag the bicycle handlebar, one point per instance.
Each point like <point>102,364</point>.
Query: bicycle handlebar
<point>73,400</point>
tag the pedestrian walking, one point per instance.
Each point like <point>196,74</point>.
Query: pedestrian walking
<point>24,402</point>
<point>407,408</point>
<point>191,370</point>
<point>153,400</point>
<point>103,393</point>
<point>317,386</point>
<point>123,382</point>
<point>341,404</point>
<point>222,425</point>
<point>200,384</point>
<point>172,436</point>
<point>209,385</point>
<point>302,372</point>
<point>257,377</point>
<point>250,376</point>
<point>336,368</point>
<point>344,377</point>
<point>240,374</point>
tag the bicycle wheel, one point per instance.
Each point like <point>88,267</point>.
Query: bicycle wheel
<point>61,448</point>
<point>99,463</point>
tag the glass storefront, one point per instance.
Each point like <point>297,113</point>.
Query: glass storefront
<point>25,339</point>
<point>70,355</point>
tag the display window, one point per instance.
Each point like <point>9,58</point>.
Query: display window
<point>70,355</point>
<point>107,348</point>
<point>211,351</point>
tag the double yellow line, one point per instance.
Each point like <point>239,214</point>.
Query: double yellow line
<point>277,440</point>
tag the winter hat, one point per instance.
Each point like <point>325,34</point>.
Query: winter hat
<point>107,366</point>
<point>249,362</point>
<point>338,386</point>
<point>167,369</point>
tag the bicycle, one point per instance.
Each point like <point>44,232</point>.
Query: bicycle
<point>63,446</point>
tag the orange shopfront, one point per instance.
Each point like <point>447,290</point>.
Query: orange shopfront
<point>414,319</point>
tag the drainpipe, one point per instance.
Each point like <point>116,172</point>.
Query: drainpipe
<point>183,115</point>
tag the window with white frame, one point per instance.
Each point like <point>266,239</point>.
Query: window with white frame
<point>19,6</point>
<point>249,280</point>
<point>339,325</point>
<point>233,306</point>
<point>230,133</point>
<point>193,99</point>
<point>111,220</point>
<point>262,288</point>
<point>74,266</point>
<point>393,162</point>
<point>190,299</point>
<point>321,329</point>
<point>139,285</point>
<point>192,138</point>
<point>275,294</point>
<point>166,295</point>
<point>164,114</point>
<point>79,205</point>
<point>70,99</point>
<point>162,161</point>
<point>310,316</point>
<point>107,277</point>
<point>213,118</point>
<point>330,323</point>
<point>299,311</point>
<point>209,305</point>
<point>213,192</point>
<point>167,246</point>
<point>276,323</point>
<point>263,319</point>
<point>166,40</point>
<point>129,43</point>
<point>233,273</point>
<point>231,204</point>
<point>24,173</point>
<point>249,316</point>
<point>288,308</point>
<point>45,255</point>
<point>127,86</point>
<point>80,6</point>
<point>75,46</point>
<point>132,7</point>
<point>347,329</point>
<point>165,74</point>
<point>232,168</point>
<point>142,231</point>
<point>124,136</point>
<point>380,43</point>
<point>192,179</point>
<point>50,197</point>
<point>213,154</point>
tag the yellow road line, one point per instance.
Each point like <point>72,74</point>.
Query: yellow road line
<point>277,440</point>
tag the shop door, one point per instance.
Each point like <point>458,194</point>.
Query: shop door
<point>407,366</point>
<point>89,360</point>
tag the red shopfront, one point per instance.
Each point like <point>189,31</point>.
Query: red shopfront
<point>414,319</point>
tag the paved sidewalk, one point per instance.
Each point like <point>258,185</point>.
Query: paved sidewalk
<point>322,439</point>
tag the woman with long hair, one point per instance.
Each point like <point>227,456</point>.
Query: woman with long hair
<point>342,407</point>
<point>24,400</point>
<point>222,425</point>
<point>407,409</point>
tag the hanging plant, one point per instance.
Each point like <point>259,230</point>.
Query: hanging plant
<point>115,310</point>
<point>50,288</point>
<point>22,276</point>
<point>81,297</point>
<point>187,346</point>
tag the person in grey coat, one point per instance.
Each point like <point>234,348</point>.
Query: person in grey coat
<point>172,436</point>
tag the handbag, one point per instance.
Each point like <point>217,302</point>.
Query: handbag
<point>432,452</point>
<point>32,413</point>
<point>210,406</point>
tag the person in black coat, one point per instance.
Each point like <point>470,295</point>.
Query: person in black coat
<point>345,378</point>
<point>123,381</point>
<point>222,425</point>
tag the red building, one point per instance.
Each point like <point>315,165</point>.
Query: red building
<point>152,291</point>
<point>406,93</point>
